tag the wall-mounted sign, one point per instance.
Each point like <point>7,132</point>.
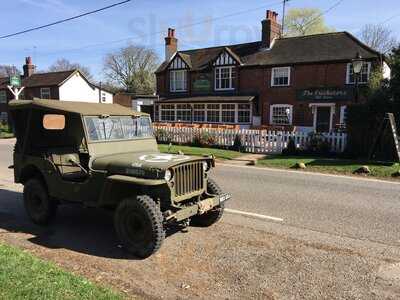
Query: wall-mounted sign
<point>202,84</point>
<point>325,94</point>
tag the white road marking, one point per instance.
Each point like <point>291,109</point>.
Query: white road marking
<point>310,173</point>
<point>244,213</point>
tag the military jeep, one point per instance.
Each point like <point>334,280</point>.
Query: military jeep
<point>105,156</point>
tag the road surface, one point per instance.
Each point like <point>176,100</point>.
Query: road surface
<point>349,207</point>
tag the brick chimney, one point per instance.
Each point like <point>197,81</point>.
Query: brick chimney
<point>29,68</point>
<point>171,44</point>
<point>271,29</point>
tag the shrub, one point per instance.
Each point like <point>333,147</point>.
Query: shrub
<point>237,144</point>
<point>162,136</point>
<point>317,144</point>
<point>291,148</point>
<point>207,139</point>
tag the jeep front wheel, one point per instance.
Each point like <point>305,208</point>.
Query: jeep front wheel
<point>38,205</point>
<point>214,215</point>
<point>139,225</point>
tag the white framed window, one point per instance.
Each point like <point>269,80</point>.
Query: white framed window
<point>225,78</point>
<point>280,76</point>
<point>281,114</point>
<point>45,93</point>
<point>343,115</point>
<point>167,112</point>
<point>103,97</point>
<point>228,112</point>
<point>363,77</point>
<point>178,80</point>
<point>183,113</point>
<point>244,113</point>
<point>213,113</point>
<point>3,97</point>
<point>199,113</point>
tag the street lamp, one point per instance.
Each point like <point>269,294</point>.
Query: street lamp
<point>357,64</point>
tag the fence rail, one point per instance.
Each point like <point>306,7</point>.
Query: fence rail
<point>252,141</point>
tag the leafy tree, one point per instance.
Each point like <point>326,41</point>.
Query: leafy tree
<point>7,71</point>
<point>378,37</point>
<point>305,21</point>
<point>132,68</point>
<point>395,75</point>
<point>63,64</point>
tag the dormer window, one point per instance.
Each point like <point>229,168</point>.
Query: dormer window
<point>225,71</point>
<point>178,75</point>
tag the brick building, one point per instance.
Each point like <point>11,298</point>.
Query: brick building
<point>302,82</point>
<point>69,85</point>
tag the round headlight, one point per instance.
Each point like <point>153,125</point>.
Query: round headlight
<point>205,166</point>
<point>168,175</point>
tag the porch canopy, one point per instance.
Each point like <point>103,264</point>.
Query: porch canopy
<point>208,99</point>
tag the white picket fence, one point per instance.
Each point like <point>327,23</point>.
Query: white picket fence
<point>253,141</point>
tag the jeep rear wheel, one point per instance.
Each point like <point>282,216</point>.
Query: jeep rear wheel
<point>139,225</point>
<point>39,206</point>
<point>214,215</point>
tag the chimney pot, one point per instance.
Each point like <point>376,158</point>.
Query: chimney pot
<point>171,44</point>
<point>271,29</point>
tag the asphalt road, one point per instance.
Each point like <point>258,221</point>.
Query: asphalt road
<point>347,207</point>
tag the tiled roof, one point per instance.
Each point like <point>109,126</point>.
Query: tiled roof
<point>336,46</point>
<point>41,79</point>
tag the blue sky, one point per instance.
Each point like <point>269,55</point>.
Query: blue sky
<point>88,39</point>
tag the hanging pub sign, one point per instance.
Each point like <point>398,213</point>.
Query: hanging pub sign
<point>325,94</point>
<point>15,81</point>
<point>202,84</point>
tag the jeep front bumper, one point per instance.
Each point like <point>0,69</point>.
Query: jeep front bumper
<point>199,208</point>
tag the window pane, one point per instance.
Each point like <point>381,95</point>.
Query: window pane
<point>228,113</point>
<point>244,113</point>
<point>213,113</point>
<point>199,114</point>
<point>167,112</point>
<point>225,78</point>
<point>178,80</point>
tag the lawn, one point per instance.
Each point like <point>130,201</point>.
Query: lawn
<point>218,153</point>
<point>23,276</point>
<point>327,165</point>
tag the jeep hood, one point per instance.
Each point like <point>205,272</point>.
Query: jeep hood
<point>126,162</point>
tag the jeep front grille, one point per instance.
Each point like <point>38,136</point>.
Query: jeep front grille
<point>189,178</point>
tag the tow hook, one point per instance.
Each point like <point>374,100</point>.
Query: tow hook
<point>185,224</point>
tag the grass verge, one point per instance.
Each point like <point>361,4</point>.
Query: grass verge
<point>188,150</point>
<point>327,165</point>
<point>23,276</point>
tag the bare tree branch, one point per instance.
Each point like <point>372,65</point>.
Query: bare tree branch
<point>63,64</point>
<point>132,68</point>
<point>378,37</point>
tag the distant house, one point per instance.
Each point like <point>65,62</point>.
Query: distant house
<point>277,82</point>
<point>65,86</point>
<point>142,103</point>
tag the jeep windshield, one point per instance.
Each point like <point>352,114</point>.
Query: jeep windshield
<point>117,128</point>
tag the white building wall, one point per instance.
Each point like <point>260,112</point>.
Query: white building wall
<point>77,89</point>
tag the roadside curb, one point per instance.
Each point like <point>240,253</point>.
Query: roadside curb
<point>254,167</point>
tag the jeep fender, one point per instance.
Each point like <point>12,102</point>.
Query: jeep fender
<point>119,187</point>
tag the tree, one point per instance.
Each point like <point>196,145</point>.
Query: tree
<point>378,37</point>
<point>63,64</point>
<point>305,21</point>
<point>7,71</point>
<point>132,68</point>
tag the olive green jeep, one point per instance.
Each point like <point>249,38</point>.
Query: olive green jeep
<point>105,156</point>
